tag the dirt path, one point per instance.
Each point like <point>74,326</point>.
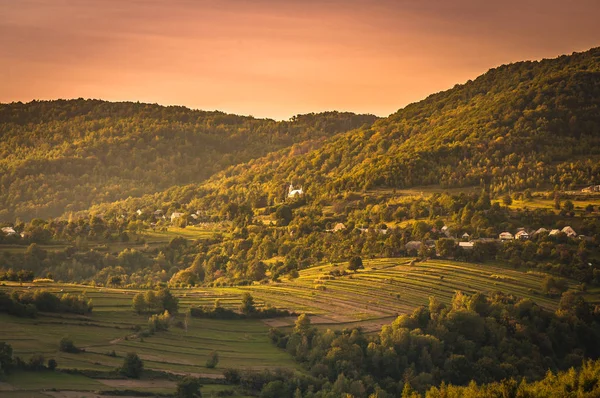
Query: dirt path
<point>131,384</point>
<point>79,394</point>
<point>6,387</point>
<point>215,376</point>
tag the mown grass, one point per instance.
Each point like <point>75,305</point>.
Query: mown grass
<point>47,380</point>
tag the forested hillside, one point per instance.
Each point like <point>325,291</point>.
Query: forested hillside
<point>524,125</point>
<point>60,156</point>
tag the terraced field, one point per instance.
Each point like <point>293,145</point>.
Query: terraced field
<point>384,289</point>
<point>368,298</point>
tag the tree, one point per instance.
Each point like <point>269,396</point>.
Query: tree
<point>139,303</point>
<point>167,301</point>
<point>5,357</point>
<point>52,364</point>
<point>132,366</point>
<point>355,264</point>
<point>283,215</point>
<point>67,345</point>
<point>188,387</point>
<point>302,324</point>
<point>36,362</point>
<point>213,360</point>
<point>152,301</point>
<point>446,247</point>
<point>247,306</point>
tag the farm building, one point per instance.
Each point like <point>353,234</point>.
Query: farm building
<point>506,236</point>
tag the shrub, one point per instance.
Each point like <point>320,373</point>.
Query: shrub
<point>67,345</point>
<point>213,360</point>
<point>132,366</point>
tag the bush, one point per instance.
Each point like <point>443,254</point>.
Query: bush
<point>132,366</point>
<point>213,360</point>
<point>67,345</point>
<point>355,263</point>
<point>52,364</point>
<point>188,387</point>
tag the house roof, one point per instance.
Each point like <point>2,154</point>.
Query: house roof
<point>466,245</point>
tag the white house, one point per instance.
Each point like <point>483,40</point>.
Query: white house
<point>522,235</point>
<point>466,245</point>
<point>506,236</point>
<point>445,231</point>
<point>540,231</point>
<point>339,227</point>
<point>8,231</point>
<point>570,232</point>
<point>465,236</point>
<point>292,193</point>
<point>175,216</point>
<point>554,232</point>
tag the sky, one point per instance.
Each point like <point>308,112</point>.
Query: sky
<point>275,58</point>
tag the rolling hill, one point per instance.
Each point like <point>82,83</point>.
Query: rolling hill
<point>62,156</point>
<point>518,126</point>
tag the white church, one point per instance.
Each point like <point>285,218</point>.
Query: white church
<point>292,193</point>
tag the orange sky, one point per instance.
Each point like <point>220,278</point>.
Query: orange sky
<point>275,58</point>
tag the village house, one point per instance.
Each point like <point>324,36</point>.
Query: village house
<point>175,216</point>
<point>466,245</point>
<point>445,231</point>
<point>9,231</point>
<point>591,188</point>
<point>506,236</point>
<point>465,236</point>
<point>570,232</point>
<point>339,227</point>
<point>540,231</point>
<point>554,232</point>
<point>522,235</point>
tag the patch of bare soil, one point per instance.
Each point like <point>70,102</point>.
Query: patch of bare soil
<point>279,322</point>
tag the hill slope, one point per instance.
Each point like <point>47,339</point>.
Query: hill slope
<point>529,124</point>
<point>58,156</point>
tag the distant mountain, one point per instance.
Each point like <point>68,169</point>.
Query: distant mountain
<point>524,125</point>
<point>65,155</point>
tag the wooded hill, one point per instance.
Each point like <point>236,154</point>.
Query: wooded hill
<point>524,125</point>
<point>61,156</point>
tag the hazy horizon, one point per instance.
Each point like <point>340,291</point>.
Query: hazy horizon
<point>274,59</point>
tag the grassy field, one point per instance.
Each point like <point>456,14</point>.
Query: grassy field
<point>368,298</point>
<point>384,289</point>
